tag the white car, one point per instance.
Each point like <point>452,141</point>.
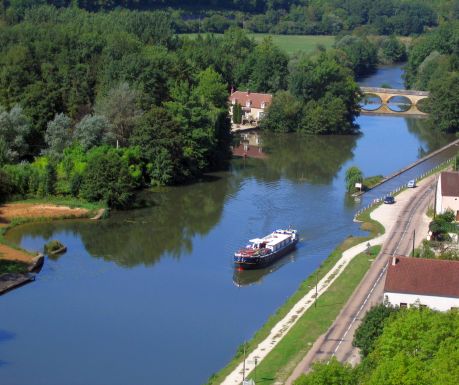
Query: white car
<point>411,183</point>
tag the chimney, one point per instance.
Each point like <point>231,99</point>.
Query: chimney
<point>394,261</point>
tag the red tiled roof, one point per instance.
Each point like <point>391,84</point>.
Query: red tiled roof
<point>249,151</point>
<point>449,184</point>
<point>423,276</point>
<point>257,99</point>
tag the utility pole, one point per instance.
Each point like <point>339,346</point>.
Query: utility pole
<point>414,237</point>
<point>243,367</point>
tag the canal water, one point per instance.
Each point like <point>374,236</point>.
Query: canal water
<point>150,296</point>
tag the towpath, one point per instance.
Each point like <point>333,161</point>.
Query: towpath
<point>402,221</point>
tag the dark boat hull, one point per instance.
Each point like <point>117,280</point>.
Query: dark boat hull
<point>250,263</point>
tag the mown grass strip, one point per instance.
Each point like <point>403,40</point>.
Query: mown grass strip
<point>291,44</point>
<point>280,362</point>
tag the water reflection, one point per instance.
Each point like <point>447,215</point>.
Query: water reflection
<point>250,277</point>
<point>249,145</point>
<point>431,137</point>
<point>300,158</point>
<point>143,236</point>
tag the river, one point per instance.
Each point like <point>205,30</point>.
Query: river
<point>150,296</point>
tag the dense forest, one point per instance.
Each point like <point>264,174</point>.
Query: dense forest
<point>276,16</point>
<point>97,105</point>
<point>399,347</point>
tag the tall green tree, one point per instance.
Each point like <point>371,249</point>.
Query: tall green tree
<point>159,138</point>
<point>444,102</point>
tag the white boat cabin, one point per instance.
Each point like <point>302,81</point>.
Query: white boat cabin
<point>274,241</point>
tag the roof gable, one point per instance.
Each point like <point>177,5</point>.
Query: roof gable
<point>421,276</point>
<point>257,100</point>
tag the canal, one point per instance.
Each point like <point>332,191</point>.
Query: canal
<point>150,296</point>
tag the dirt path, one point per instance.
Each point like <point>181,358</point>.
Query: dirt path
<point>30,210</point>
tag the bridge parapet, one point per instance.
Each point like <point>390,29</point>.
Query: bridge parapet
<point>393,91</point>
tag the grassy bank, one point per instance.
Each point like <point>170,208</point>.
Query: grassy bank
<point>355,275</point>
<point>289,43</point>
<point>20,212</point>
<point>7,267</point>
<point>278,364</point>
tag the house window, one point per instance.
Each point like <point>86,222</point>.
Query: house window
<point>248,103</point>
<point>403,305</point>
<point>263,105</point>
<point>234,101</point>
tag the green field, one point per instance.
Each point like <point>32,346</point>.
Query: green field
<point>289,43</point>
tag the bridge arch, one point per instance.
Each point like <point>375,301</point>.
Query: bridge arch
<point>370,102</point>
<point>399,103</point>
<point>395,101</point>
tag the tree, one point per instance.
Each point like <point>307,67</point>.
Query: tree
<point>353,175</point>
<point>14,128</point>
<point>266,68</point>
<point>414,348</point>
<point>331,373</point>
<point>444,102</point>
<point>58,135</point>
<point>392,50</point>
<point>107,179</point>
<point>361,53</point>
<point>283,114</point>
<point>237,113</point>
<point>120,108</point>
<point>158,137</point>
<point>94,130</point>
<point>5,186</point>
<point>371,328</point>
<point>49,179</point>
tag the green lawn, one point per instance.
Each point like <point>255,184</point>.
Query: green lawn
<point>278,364</point>
<point>290,43</point>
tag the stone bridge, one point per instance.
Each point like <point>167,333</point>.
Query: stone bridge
<point>393,101</point>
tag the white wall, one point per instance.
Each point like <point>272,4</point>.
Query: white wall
<point>438,206</point>
<point>435,303</point>
<point>451,203</point>
<point>444,203</point>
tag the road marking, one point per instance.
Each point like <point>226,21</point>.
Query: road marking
<point>360,309</point>
<point>405,230</point>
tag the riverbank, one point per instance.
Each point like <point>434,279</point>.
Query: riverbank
<point>292,337</point>
<point>291,317</point>
<point>18,264</point>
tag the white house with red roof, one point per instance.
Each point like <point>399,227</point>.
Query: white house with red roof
<point>447,196</point>
<point>422,282</point>
<point>254,104</point>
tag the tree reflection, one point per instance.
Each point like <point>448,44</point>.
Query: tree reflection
<point>143,236</point>
<point>426,133</point>
<point>300,158</point>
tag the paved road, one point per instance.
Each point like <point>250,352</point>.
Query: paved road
<point>338,339</point>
